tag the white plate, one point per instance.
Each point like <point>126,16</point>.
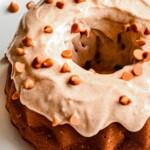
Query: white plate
<point>9,136</point>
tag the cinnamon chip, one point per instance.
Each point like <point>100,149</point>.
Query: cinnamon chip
<point>127,76</point>
<point>75,28</point>
<point>60,5</point>
<point>75,80</point>
<point>80,1</point>
<point>15,95</point>
<point>30,5</point>
<point>146,56</point>
<point>19,67</point>
<point>67,54</point>
<point>56,121</point>
<point>29,83</point>
<point>49,1</point>
<point>147,31</point>
<point>48,29</point>
<point>141,42</point>
<point>135,27</point>
<point>124,100</point>
<point>65,68</point>
<point>27,42</point>
<point>138,54</point>
<point>37,63</point>
<point>138,69</point>
<point>20,51</point>
<point>47,63</point>
<point>13,7</point>
<point>74,120</point>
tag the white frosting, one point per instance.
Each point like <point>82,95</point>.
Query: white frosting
<point>95,100</point>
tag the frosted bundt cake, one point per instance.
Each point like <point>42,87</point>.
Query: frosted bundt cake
<point>79,75</point>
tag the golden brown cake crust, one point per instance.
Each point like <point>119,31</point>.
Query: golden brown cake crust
<point>39,131</point>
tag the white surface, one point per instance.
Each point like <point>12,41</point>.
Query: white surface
<point>9,136</point>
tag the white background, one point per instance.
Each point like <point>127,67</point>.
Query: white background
<point>9,136</point>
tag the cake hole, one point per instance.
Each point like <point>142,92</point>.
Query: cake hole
<point>83,45</point>
<point>118,67</point>
<point>97,57</point>
<point>123,46</point>
<point>104,50</point>
<point>117,148</point>
<point>105,136</point>
<point>119,38</point>
<point>87,65</point>
<point>76,50</point>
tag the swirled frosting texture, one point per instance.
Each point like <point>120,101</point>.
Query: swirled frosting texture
<point>95,100</point>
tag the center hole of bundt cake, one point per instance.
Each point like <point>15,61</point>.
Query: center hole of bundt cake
<point>105,53</point>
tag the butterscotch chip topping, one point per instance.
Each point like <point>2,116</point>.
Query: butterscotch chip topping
<point>138,69</point>
<point>56,121</point>
<point>141,42</point>
<point>135,27</point>
<point>28,83</point>
<point>138,54</point>
<point>27,42</point>
<point>15,95</point>
<point>30,5</point>
<point>74,120</point>
<point>49,1</point>
<point>124,100</point>
<point>67,54</point>
<point>48,29</point>
<point>65,68</point>
<point>80,1</point>
<point>37,63</point>
<point>60,5</point>
<point>75,80</point>
<point>19,67</point>
<point>13,7</point>
<point>127,76</point>
<point>147,31</point>
<point>20,51</point>
<point>75,28</point>
<point>48,63</point>
<point>146,56</point>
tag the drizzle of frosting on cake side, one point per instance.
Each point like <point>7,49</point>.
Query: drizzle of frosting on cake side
<point>63,91</point>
